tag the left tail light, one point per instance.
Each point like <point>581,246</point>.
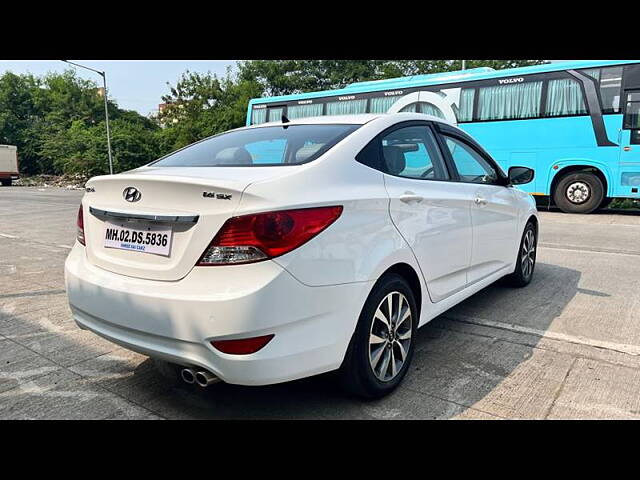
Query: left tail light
<point>80,224</point>
<point>256,237</point>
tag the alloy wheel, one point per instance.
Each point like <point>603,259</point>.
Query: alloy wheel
<point>390,336</point>
<point>528,254</point>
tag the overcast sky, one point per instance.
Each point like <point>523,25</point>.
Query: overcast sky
<point>133,84</point>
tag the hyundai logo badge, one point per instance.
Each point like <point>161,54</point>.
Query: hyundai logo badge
<point>131,194</point>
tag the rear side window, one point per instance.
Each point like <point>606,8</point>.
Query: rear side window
<point>264,146</point>
<point>409,152</point>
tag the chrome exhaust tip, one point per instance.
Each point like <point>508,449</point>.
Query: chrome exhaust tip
<point>204,378</point>
<point>188,375</point>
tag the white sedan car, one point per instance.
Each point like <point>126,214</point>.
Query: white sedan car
<point>284,250</point>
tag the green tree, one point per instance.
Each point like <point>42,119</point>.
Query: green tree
<point>57,123</point>
<point>283,77</point>
<point>201,105</point>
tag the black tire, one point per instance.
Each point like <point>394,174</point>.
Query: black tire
<point>6,182</point>
<point>605,203</point>
<point>580,192</point>
<point>356,373</point>
<point>522,275</point>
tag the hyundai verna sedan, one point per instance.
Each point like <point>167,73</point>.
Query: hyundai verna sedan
<point>280,251</point>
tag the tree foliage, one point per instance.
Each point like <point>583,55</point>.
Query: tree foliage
<point>57,121</point>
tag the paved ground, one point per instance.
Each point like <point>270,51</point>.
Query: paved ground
<point>567,346</point>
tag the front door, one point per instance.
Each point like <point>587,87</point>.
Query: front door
<point>493,211</point>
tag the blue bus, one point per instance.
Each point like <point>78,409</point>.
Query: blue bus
<point>576,123</point>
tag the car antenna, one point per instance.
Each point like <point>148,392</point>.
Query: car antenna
<point>284,119</point>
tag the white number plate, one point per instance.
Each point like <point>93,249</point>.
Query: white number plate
<point>138,237</point>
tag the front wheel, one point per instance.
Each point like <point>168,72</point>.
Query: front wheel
<point>580,192</point>
<point>382,345</point>
<point>526,261</point>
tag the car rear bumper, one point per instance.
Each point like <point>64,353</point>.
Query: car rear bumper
<point>176,321</point>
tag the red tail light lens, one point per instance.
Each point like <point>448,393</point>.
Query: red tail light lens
<point>243,346</point>
<point>251,238</point>
<point>80,224</point>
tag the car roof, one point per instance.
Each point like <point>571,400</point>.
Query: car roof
<point>358,119</point>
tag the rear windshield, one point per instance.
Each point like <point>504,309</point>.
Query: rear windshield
<point>264,146</point>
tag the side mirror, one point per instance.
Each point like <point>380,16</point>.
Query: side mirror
<point>520,175</point>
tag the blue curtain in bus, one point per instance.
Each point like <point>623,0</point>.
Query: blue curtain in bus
<point>382,104</point>
<point>510,101</point>
<point>303,111</point>
<point>275,114</point>
<point>465,112</point>
<point>347,107</point>
<point>564,97</point>
<point>259,116</point>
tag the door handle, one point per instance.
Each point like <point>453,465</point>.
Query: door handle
<point>409,197</point>
<point>480,201</point>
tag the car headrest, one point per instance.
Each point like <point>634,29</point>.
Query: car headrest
<point>234,156</point>
<point>394,158</point>
<point>307,151</point>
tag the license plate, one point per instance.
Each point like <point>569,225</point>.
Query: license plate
<point>145,238</point>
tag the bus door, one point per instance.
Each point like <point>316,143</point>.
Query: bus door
<point>629,139</point>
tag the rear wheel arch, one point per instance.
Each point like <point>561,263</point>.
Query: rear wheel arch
<point>407,272</point>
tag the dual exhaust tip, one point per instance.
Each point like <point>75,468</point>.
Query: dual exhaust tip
<point>201,377</point>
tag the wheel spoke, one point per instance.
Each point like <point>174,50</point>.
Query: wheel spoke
<point>403,352</point>
<point>375,339</point>
<point>375,358</point>
<point>382,317</point>
<point>394,369</point>
<point>385,364</point>
<point>404,315</point>
<point>405,335</point>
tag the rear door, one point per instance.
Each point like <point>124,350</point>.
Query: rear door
<point>494,215</point>
<point>430,211</point>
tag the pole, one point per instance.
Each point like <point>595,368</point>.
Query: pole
<point>464,64</point>
<point>106,110</point>
<point>106,116</point>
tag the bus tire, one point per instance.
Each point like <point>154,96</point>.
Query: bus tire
<point>6,182</point>
<point>579,192</point>
<point>605,203</point>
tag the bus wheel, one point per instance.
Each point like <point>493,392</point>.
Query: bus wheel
<point>580,192</point>
<point>6,182</point>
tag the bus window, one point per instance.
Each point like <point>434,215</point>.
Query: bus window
<point>424,107</point>
<point>275,114</point>
<point>506,102</point>
<point>465,110</point>
<point>381,104</point>
<point>347,107</point>
<point>632,112</point>
<point>259,115</point>
<point>564,97</point>
<point>609,81</point>
<point>304,111</point>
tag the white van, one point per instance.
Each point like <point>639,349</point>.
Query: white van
<point>8,164</point>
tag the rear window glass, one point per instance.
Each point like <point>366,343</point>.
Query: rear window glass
<point>290,145</point>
